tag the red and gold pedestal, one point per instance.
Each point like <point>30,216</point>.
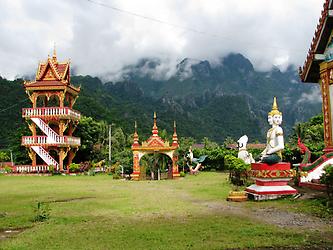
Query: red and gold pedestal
<point>271,181</point>
<point>135,176</point>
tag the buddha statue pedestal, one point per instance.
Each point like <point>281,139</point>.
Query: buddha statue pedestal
<point>271,181</point>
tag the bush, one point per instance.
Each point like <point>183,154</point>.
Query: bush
<point>91,172</point>
<point>74,168</point>
<point>327,179</point>
<point>116,176</point>
<point>8,169</point>
<point>238,170</point>
<point>41,211</point>
<point>51,169</point>
<point>182,174</point>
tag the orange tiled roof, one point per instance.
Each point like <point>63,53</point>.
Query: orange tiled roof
<point>310,70</point>
<point>52,73</point>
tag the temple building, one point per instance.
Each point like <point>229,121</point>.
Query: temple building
<point>318,68</point>
<point>51,119</point>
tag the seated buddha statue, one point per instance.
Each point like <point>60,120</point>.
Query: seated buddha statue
<point>275,143</point>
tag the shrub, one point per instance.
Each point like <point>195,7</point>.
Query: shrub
<point>51,169</point>
<point>73,167</point>
<point>327,179</point>
<point>91,172</point>
<point>182,174</point>
<point>8,169</point>
<point>238,170</point>
<point>116,176</point>
<point>41,211</point>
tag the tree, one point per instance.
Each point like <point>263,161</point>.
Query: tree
<point>311,134</point>
<point>94,137</point>
<point>4,156</point>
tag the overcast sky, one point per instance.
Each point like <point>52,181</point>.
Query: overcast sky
<point>102,38</point>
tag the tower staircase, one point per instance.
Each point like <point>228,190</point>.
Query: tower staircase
<point>37,143</point>
<point>52,96</point>
<point>51,137</point>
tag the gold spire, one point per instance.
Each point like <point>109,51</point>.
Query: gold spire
<point>174,136</point>
<point>155,130</point>
<point>54,50</point>
<point>135,136</point>
<point>54,57</point>
<point>275,109</point>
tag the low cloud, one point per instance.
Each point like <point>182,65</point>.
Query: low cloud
<point>101,41</point>
<point>312,97</point>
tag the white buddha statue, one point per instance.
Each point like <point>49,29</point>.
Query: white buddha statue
<point>275,143</point>
<point>242,152</point>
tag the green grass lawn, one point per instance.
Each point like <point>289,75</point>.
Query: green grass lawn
<point>97,212</point>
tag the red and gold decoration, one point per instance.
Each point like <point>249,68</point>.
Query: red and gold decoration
<point>318,67</point>
<point>154,144</point>
<point>271,181</point>
<point>52,114</point>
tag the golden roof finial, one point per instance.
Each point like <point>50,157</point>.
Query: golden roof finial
<point>275,109</point>
<point>54,51</point>
<point>135,136</point>
<point>155,130</point>
<point>174,136</point>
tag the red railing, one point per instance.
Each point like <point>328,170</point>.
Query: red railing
<point>49,112</point>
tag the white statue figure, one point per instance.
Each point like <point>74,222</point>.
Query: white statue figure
<point>242,153</point>
<point>275,143</point>
<point>198,161</point>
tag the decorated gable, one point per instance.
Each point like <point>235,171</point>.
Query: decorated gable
<point>155,141</point>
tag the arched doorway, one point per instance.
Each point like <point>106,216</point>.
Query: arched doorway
<point>155,166</point>
<point>154,145</point>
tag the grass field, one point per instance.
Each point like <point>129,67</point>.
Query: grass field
<point>97,212</point>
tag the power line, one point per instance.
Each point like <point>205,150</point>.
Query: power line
<point>186,28</point>
<point>145,17</point>
<point>14,105</point>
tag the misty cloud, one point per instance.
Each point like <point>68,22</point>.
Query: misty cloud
<point>102,42</point>
<point>313,97</point>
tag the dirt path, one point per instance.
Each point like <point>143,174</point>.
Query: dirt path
<point>271,215</point>
<point>283,218</point>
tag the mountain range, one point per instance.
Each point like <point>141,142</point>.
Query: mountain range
<point>227,98</point>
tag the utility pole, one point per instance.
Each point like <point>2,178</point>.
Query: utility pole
<point>110,145</point>
<point>11,157</point>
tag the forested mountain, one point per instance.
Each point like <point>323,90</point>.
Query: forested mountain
<point>214,100</point>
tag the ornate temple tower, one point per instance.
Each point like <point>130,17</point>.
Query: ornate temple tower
<point>51,119</point>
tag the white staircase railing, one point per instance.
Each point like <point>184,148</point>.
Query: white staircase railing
<point>52,137</point>
<point>45,156</point>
